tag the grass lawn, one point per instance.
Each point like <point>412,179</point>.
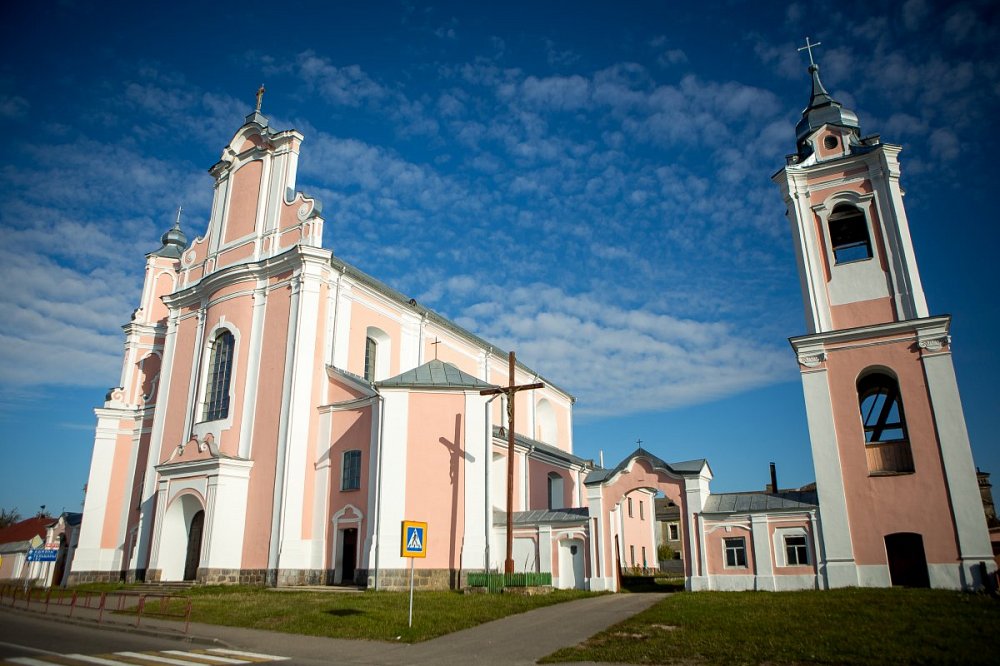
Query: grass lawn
<point>366,615</point>
<point>852,626</point>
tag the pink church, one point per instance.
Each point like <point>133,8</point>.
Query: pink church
<point>280,413</point>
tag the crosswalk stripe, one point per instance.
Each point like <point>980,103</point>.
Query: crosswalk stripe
<point>151,659</point>
<point>254,656</point>
<point>196,657</point>
<point>217,659</point>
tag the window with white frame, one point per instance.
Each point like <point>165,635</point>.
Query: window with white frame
<point>673,531</point>
<point>220,373</point>
<point>371,348</point>
<point>351,477</point>
<point>736,552</point>
<point>796,550</point>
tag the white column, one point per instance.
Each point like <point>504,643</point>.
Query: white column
<point>839,568</point>
<point>763,557</point>
<point>475,463</point>
<point>256,342</point>
<point>960,471</point>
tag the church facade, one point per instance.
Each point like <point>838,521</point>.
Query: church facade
<point>280,413</point>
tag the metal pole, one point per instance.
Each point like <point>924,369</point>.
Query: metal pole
<point>508,565</point>
<point>411,592</point>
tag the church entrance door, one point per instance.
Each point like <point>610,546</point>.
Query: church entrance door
<point>907,562</point>
<point>349,560</point>
<point>193,558</point>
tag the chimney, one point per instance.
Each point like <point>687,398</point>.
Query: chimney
<point>774,479</point>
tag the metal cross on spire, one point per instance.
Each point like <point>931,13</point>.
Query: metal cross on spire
<point>509,391</point>
<point>260,96</point>
<point>809,47</point>
<point>177,221</point>
<point>638,443</point>
<point>435,345</point>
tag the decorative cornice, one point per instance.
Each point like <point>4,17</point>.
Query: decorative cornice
<point>912,329</point>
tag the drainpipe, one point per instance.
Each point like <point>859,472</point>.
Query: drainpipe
<point>378,490</point>
<point>488,459</point>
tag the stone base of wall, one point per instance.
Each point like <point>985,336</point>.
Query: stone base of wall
<point>81,577</point>
<point>423,579</point>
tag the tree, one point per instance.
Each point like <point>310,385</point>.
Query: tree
<point>8,517</point>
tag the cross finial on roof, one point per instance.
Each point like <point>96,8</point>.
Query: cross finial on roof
<point>177,220</point>
<point>638,443</point>
<point>260,96</point>
<point>809,47</point>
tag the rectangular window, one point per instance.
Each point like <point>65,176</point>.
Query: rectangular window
<point>642,513</point>
<point>736,552</point>
<point>630,510</point>
<point>351,479</point>
<point>631,550</point>
<point>370,351</point>
<point>673,532</point>
<point>796,551</point>
<point>643,557</point>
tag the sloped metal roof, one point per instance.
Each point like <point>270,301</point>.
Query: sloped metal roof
<point>757,502</point>
<point>435,374</point>
<point>543,516</point>
<point>687,467</point>
<point>552,451</point>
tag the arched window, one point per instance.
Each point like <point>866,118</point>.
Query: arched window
<point>886,443</point>
<point>371,348</point>
<point>555,491</point>
<point>220,374</point>
<point>849,234</point>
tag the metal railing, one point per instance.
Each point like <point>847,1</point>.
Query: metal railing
<point>496,581</point>
<point>166,606</point>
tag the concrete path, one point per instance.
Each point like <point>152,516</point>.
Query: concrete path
<point>516,639</point>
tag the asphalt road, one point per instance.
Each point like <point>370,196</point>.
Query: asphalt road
<point>28,635</point>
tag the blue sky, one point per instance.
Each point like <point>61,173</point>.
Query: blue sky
<point>587,183</point>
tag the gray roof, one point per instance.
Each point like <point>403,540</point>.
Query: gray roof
<point>574,515</point>
<point>548,449</point>
<point>756,502</point>
<point>688,467</point>
<point>435,374</point>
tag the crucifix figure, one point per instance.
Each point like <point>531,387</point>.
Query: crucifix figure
<point>260,96</point>
<point>809,47</point>
<point>509,391</point>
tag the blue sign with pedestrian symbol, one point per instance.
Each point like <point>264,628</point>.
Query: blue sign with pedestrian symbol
<point>414,539</point>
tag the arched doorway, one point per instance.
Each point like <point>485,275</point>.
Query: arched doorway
<point>907,561</point>
<point>193,557</point>
<point>181,538</point>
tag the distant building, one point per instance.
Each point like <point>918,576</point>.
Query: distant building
<point>42,532</point>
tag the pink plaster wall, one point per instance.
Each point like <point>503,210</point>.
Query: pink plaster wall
<point>435,472</point>
<point>317,383</point>
<point>637,530</point>
<point>235,255</point>
<point>180,378</point>
<point>863,313</point>
<point>260,494</point>
<point>351,431</point>
<point>880,505</point>
<point>242,213</point>
<point>715,551</point>
<point>363,317</point>
<point>111,536</point>
<point>538,478</point>
<point>793,570</point>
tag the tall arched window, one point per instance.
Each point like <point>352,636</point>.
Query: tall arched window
<point>371,348</point>
<point>849,234</point>
<point>555,491</point>
<point>219,377</point>
<point>886,443</point>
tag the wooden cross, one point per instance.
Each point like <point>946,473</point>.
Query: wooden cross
<point>809,47</point>
<point>638,443</point>
<point>509,391</point>
<point>260,96</point>
<point>435,344</point>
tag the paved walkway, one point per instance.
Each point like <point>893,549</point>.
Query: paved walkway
<point>516,639</point>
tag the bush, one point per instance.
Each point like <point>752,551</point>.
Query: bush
<point>665,552</point>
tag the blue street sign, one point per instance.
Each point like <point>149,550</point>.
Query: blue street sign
<point>42,555</point>
<point>414,541</point>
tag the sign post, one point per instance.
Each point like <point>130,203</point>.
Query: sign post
<point>413,543</point>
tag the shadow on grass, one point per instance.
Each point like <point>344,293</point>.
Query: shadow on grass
<point>344,612</point>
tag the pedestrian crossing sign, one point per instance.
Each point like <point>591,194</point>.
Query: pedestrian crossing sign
<point>414,539</point>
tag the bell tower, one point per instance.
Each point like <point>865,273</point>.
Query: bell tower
<point>896,482</point>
